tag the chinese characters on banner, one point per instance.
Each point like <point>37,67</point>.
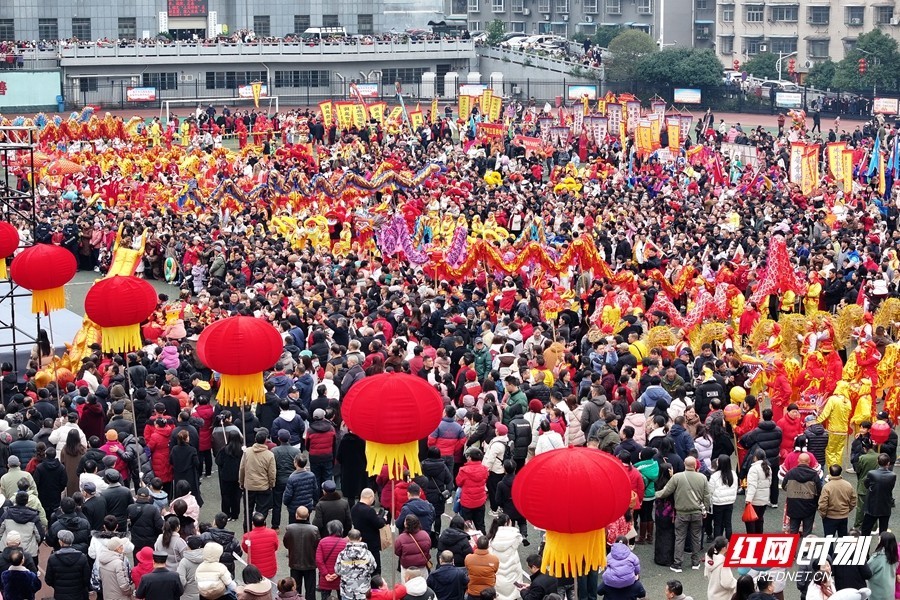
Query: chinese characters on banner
<point>795,169</point>
<point>633,111</point>
<point>673,127</point>
<point>685,128</point>
<point>376,111</point>
<point>187,8</point>
<point>465,106</point>
<point>496,108</point>
<point>344,114</point>
<point>601,129</point>
<point>835,159</point>
<point>327,109</point>
<point>614,114</point>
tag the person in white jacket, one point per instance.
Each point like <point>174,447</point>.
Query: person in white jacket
<point>58,436</point>
<point>759,480</point>
<point>723,487</point>
<point>213,578</point>
<point>548,439</point>
<point>721,582</point>
<point>637,419</point>
<point>494,453</point>
<point>534,416</point>
<point>505,541</point>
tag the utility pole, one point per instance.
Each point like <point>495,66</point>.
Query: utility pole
<point>781,58</point>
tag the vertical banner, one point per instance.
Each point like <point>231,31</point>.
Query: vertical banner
<point>643,137</point>
<point>654,129</point>
<point>434,110</point>
<point>601,129</point>
<point>658,107</point>
<point>881,182</point>
<point>396,114</point>
<point>256,90</point>
<point>496,108</point>
<point>847,170</point>
<point>465,106</point>
<point>327,108</point>
<point>633,111</point>
<point>614,114</point>
<point>601,107</point>
<point>486,96</point>
<point>809,177</point>
<point>359,115</point>
<point>685,129</point>
<point>545,123</point>
<point>344,114</point>
<point>416,119</point>
<point>795,169</point>
<point>587,124</point>
<point>376,111</point>
<point>673,127</point>
<point>834,152</point>
<point>577,122</point>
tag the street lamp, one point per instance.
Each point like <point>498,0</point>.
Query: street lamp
<point>778,62</point>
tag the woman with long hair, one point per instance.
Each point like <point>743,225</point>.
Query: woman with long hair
<point>822,585</point>
<point>744,589</point>
<point>170,542</point>
<point>884,566</point>
<point>42,351</point>
<point>505,541</point>
<point>759,480</point>
<point>70,457</point>
<point>228,461</point>
<point>664,520</point>
<point>186,464</point>
<point>720,580</point>
<point>723,486</point>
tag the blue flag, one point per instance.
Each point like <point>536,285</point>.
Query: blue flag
<point>873,160</point>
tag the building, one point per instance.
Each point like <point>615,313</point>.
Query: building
<point>815,30</point>
<point>663,20</point>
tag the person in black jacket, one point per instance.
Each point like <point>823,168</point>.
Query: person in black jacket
<point>541,583</point>
<point>448,582</point>
<point>51,479</point>
<point>851,576</point>
<point>117,497</point>
<point>520,435</point>
<point>68,571</point>
<point>879,501</point>
<point>72,522</point>
<point>160,583</point>
<point>224,538</point>
<point>351,455</point>
<point>456,540</point>
<point>331,507</point>
<point>185,461</point>
<point>766,436</point>
<point>144,521</point>
<point>369,522</point>
<point>505,500</point>
<point>436,481</point>
<point>704,395</point>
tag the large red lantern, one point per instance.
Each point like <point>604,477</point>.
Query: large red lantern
<point>240,349</point>
<point>573,494</point>
<point>392,412</point>
<point>880,432</point>
<point>44,269</point>
<point>119,304</point>
<point>9,241</point>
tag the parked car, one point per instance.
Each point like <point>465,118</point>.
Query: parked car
<point>514,41</point>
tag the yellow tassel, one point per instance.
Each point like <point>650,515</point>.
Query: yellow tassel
<point>3,274</point>
<point>237,390</point>
<point>397,457</point>
<point>574,554</point>
<point>121,339</point>
<point>44,301</point>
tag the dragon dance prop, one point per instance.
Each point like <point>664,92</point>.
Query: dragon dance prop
<point>778,275</point>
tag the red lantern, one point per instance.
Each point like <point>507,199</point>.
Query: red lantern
<point>9,241</point>
<point>880,432</point>
<point>572,481</point>
<point>44,269</point>
<point>119,304</point>
<point>392,412</point>
<point>240,349</point>
<point>732,413</point>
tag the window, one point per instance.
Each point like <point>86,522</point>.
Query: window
<point>7,30</point>
<point>785,14</point>
<point>302,79</point>
<point>497,6</point>
<point>127,28</point>
<point>614,7</point>
<point>301,23</point>
<point>230,80</point>
<point>458,7</point>
<point>517,26</point>
<point>561,6</point>
<point>473,6</point>
<point>702,31</point>
<point>474,25</point>
<point>883,14</point>
<point>782,45</point>
<point>726,44</point>
<point>751,46</point>
<point>728,13</point>
<point>517,6</point>
<point>856,15</point>
<point>819,15</point>
<point>543,6</point>
<point>87,84</point>
<point>590,7</point>
<point>817,48</point>
<point>408,75</point>
<point>701,4</point>
<point>365,25</point>
<point>262,25</point>
<point>645,7</point>
<point>161,81</point>
<point>330,21</point>
<point>48,29</point>
<point>754,14</point>
<point>81,28</point>
<point>645,27</point>
<point>849,45</point>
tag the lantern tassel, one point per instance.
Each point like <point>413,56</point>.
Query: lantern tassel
<point>574,554</point>
<point>3,273</point>
<point>238,390</point>
<point>44,301</point>
<point>397,457</point>
<point>124,338</point>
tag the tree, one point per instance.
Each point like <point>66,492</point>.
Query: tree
<point>495,30</point>
<point>605,35</point>
<point>702,69</point>
<point>822,75</point>
<point>681,67</point>
<point>763,65</point>
<point>882,62</point>
<point>626,52</point>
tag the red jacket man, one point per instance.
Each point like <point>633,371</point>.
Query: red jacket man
<point>791,425</point>
<point>261,544</point>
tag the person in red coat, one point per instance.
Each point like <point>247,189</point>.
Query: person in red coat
<point>261,544</point>
<point>326,556</point>
<point>748,423</point>
<point>390,487</point>
<point>471,480</point>
<point>91,418</point>
<point>204,411</point>
<point>791,425</point>
<point>158,442</point>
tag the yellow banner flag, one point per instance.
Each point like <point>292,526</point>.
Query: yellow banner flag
<point>416,119</point>
<point>881,182</point>
<point>654,131</point>
<point>344,114</point>
<point>465,106</point>
<point>327,108</point>
<point>256,90</point>
<point>434,110</point>
<point>809,176</point>
<point>376,111</point>
<point>834,151</point>
<point>847,160</point>
<point>496,108</point>
<point>643,137</point>
<point>359,115</point>
<point>396,114</point>
<point>601,107</point>
<point>486,96</point>
<point>673,128</point>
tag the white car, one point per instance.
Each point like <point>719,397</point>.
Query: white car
<point>514,43</point>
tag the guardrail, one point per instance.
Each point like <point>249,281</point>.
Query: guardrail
<point>546,63</point>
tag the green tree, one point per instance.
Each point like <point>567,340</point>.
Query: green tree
<point>495,30</point>
<point>626,52</point>
<point>822,75</point>
<point>681,67</point>
<point>882,64</point>
<point>702,69</point>
<point>764,66</point>
<point>605,35</point>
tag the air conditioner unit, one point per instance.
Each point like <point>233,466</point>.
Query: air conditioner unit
<point>856,21</point>
<point>187,78</point>
<point>527,12</point>
<point>763,48</point>
<point>895,20</point>
<point>565,17</point>
<point>808,64</point>
<point>588,19</point>
<point>546,16</point>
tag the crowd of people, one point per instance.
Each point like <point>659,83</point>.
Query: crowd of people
<point>113,469</point>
